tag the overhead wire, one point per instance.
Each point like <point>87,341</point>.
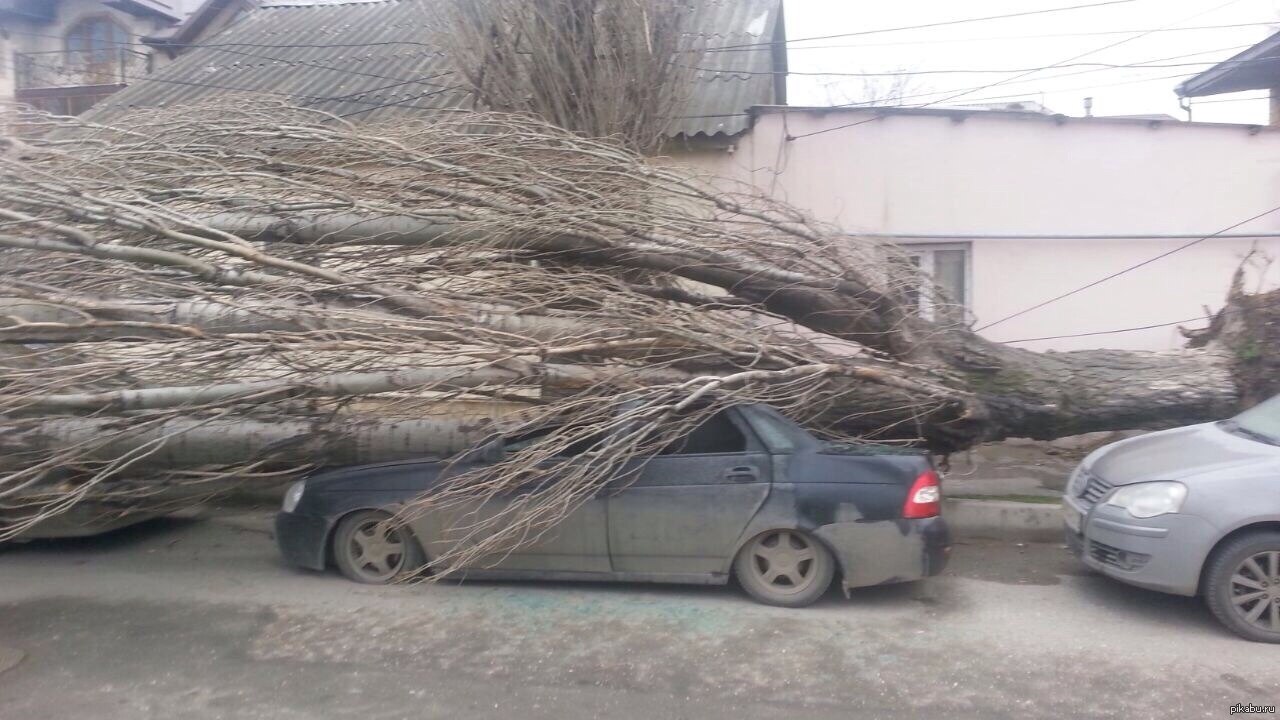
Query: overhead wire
<point>1153,326</point>
<point>1040,36</point>
<point>944,23</point>
<point>1097,66</point>
<point>1015,78</point>
<point>1127,270</point>
<point>923,26</point>
<point>350,97</point>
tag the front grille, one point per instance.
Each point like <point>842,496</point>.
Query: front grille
<point>1095,488</point>
<point>1117,558</point>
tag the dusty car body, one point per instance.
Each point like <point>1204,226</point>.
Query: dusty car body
<point>1193,510</point>
<point>83,520</point>
<point>749,481</point>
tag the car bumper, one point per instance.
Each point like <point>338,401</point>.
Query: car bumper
<point>302,539</point>
<point>1164,553</point>
<point>891,551</point>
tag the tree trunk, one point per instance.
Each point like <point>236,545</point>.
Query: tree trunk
<point>241,290</point>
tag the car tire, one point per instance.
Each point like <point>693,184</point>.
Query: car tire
<point>784,567</point>
<point>1242,586</point>
<point>367,551</point>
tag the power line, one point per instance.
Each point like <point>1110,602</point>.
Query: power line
<point>1110,332</point>
<point>943,23</point>
<point>869,105</point>
<point>1058,76</point>
<point>1019,76</point>
<point>1154,64</point>
<point>1042,36</point>
<point>389,104</point>
<point>293,61</point>
<point>351,97</point>
<point>1127,270</point>
<point>886,109</point>
<point>962,237</point>
<point>185,46</point>
<point>744,47</point>
<point>1201,318</point>
<point>1197,102</point>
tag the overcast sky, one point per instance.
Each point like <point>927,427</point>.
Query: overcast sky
<point>1022,43</point>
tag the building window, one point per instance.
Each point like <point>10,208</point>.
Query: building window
<point>96,40</point>
<point>947,297</point>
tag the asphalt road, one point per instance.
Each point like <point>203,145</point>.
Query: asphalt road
<point>200,620</point>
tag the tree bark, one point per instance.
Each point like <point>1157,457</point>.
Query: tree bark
<point>183,443</point>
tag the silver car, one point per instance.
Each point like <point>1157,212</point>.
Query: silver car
<point>1194,510</point>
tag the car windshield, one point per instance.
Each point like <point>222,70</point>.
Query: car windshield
<point>1260,422</point>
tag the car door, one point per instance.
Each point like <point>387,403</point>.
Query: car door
<point>688,506</point>
<point>576,544</point>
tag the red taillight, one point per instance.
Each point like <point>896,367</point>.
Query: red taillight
<point>924,499</point>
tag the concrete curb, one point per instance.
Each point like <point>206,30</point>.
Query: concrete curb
<point>1004,520</point>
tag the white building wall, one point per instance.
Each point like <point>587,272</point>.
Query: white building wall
<point>997,174</point>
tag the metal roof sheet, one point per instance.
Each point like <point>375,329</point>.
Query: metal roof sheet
<point>370,60</point>
<point>1257,68</point>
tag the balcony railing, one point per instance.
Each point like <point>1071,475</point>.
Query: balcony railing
<point>78,68</point>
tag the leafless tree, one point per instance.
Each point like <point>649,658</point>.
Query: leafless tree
<point>602,68</point>
<point>890,90</point>
<point>245,291</point>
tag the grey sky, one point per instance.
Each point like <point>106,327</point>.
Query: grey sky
<point>1027,42</point>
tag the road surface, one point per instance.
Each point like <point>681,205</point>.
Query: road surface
<point>199,620</point>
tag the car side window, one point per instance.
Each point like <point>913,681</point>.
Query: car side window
<point>717,435</point>
<point>516,443</point>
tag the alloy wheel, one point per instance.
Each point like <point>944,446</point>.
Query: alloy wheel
<point>1255,590</point>
<point>784,561</point>
<point>376,550</point>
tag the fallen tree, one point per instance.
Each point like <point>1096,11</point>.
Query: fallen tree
<point>254,290</point>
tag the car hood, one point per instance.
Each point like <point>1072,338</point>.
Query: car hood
<point>1178,454</point>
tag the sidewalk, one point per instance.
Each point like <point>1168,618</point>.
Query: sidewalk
<point>1011,490</point>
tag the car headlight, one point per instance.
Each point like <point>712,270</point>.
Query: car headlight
<point>1149,499</point>
<point>293,495</point>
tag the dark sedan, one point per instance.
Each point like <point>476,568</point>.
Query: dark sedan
<point>748,493</point>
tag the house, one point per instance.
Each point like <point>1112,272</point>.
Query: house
<point>63,56</point>
<point>1257,68</point>
<point>205,20</point>
<point>1008,210</point>
<point>366,60</point>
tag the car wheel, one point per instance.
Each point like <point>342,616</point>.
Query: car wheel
<point>369,550</point>
<point>784,567</point>
<point>1242,586</point>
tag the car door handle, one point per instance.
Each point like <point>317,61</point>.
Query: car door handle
<point>742,474</point>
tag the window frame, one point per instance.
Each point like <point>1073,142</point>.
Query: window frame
<point>92,54</point>
<point>925,251</point>
<point>752,444</point>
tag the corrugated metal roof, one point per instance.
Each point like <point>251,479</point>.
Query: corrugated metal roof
<point>368,59</point>
<point>1257,68</point>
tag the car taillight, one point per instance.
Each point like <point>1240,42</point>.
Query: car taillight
<point>924,499</point>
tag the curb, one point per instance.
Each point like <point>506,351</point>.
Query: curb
<point>1004,520</point>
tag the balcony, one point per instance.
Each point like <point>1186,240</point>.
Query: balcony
<point>68,82</point>
<point>75,68</point>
